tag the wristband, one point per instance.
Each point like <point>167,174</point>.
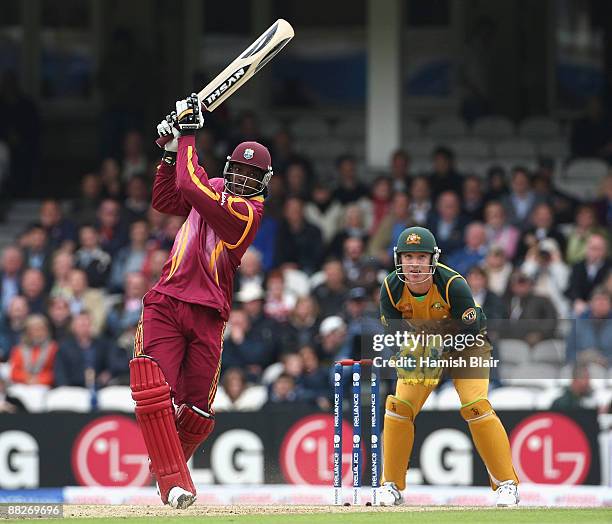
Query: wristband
<point>169,157</point>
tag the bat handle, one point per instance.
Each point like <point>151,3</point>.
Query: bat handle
<point>163,140</point>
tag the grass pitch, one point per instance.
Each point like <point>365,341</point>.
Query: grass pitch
<point>328,515</point>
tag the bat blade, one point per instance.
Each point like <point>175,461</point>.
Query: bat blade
<point>236,74</point>
<point>244,67</point>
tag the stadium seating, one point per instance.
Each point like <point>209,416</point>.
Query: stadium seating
<point>512,398</point>
<point>68,398</point>
<point>539,127</point>
<point>493,127</point>
<point>116,398</point>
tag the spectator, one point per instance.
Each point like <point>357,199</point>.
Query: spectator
<point>472,198</point>
<point>563,204</point>
<point>10,275</point>
<point>33,286</point>
<point>279,302</point>
<point>420,200</point>
<point>492,304</point>
<point>589,273</point>
<point>34,243</point>
<point>247,129</point>
<point>541,226</point>
<point>298,181</point>
<point>585,225</point>
<point>283,390</point>
<point>61,265</point>
<point>8,403</point>
<point>113,235</point>
<point>349,189</point>
<point>153,267</point>
<point>137,199</point>
<point>84,360</point>
<point>130,259</point>
<point>264,329</point>
<point>303,321</point>
<point>84,208</point>
<point>298,241</point>
<point>235,394</point>
<point>497,188</point>
<point>444,176</point>
<point>521,200</point>
<point>499,232</point>
<point>134,159</point>
<point>315,379</point>
<point>32,360</point>
<point>13,325</point>
<point>61,232</point>
<point>474,252</point>
<point>250,270</point>
<point>59,317</point>
<point>604,204</point>
<point>241,349</point>
<point>376,208</point>
<point>110,174</point>
<point>126,313</point>
<point>398,218</point>
<point>91,258</point>
<point>400,171</point>
<point>283,151</point>
<point>333,337</point>
<point>590,339</point>
<point>532,316</point>
<point>323,212</point>
<point>332,292</point>
<point>353,260</point>
<point>544,264</point>
<point>447,223</point>
<point>353,227</point>
<point>83,298</point>
<point>592,134</point>
<point>578,395</point>
<point>498,270</point>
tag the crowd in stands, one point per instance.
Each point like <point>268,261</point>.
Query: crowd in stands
<point>71,284</point>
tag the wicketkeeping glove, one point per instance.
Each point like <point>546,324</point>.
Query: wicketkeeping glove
<point>189,115</point>
<point>167,127</point>
<point>424,369</point>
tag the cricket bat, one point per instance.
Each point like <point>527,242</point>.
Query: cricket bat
<point>250,61</point>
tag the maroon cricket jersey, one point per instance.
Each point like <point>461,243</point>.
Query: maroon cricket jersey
<point>218,230</point>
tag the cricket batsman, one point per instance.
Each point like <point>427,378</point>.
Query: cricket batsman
<point>178,343</point>
<point>424,292</point>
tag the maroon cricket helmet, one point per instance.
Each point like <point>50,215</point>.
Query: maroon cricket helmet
<point>251,154</point>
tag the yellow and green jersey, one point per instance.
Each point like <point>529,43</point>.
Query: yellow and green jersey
<point>449,297</point>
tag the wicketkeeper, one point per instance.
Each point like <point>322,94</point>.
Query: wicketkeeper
<point>178,345</point>
<point>435,299</point>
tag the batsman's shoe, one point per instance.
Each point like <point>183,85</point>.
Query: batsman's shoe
<point>389,495</point>
<point>507,494</point>
<point>179,498</point>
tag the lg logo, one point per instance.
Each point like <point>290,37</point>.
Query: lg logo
<point>550,449</point>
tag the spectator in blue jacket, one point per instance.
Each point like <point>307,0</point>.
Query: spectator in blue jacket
<point>85,360</point>
<point>591,335</point>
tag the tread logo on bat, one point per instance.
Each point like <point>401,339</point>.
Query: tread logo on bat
<point>229,82</point>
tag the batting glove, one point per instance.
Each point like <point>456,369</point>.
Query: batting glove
<point>189,114</point>
<point>167,127</point>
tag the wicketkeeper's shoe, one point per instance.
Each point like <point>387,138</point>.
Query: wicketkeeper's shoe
<point>507,494</point>
<point>179,498</point>
<point>389,495</point>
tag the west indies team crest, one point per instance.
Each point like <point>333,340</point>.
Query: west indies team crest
<point>413,238</point>
<point>248,153</point>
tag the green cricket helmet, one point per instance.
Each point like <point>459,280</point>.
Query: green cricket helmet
<point>416,239</point>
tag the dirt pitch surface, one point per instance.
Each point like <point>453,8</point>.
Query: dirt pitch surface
<point>126,511</point>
